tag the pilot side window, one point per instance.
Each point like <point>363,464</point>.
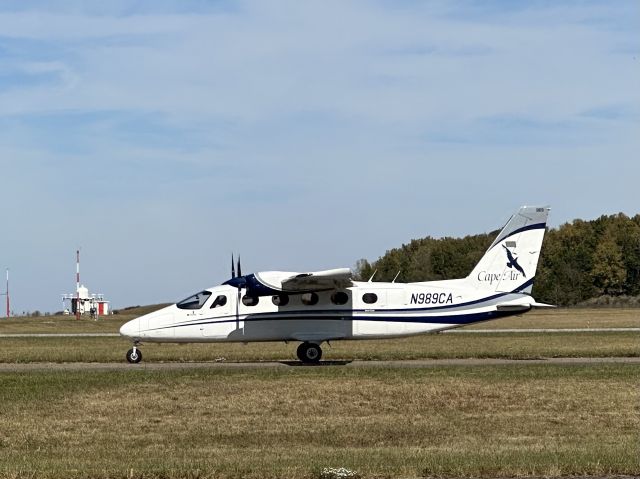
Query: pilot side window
<point>194,302</point>
<point>309,299</point>
<point>250,300</point>
<point>369,298</point>
<point>221,300</point>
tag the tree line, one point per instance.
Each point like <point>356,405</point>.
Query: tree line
<point>580,261</point>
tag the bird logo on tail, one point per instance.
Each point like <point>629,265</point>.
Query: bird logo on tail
<point>513,262</point>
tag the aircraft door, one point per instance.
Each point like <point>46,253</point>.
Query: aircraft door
<point>238,309</point>
<point>370,302</point>
<point>220,311</point>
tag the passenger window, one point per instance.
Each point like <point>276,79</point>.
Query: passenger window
<point>219,301</point>
<point>339,297</point>
<point>369,298</point>
<point>194,302</point>
<point>250,300</point>
<point>309,299</point>
<point>280,299</point>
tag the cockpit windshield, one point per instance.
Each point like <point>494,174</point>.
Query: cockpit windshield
<point>194,302</point>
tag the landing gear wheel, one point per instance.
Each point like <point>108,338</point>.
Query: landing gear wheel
<point>309,353</point>
<point>134,355</point>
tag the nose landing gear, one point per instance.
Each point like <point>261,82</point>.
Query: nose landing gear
<point>309,353</point>
<point>134,355</point>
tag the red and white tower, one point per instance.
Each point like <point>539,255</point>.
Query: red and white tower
<point>82,302</point>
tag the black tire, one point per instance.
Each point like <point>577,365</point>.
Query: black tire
<point>309,353</point>
<point>134,357</point>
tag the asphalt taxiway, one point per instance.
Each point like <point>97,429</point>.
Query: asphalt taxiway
<point>222,364</point>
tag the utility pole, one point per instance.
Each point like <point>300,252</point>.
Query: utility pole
<point>7,295</point>
<point>77,284</point>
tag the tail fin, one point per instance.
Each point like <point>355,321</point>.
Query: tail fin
<point>510,263</point>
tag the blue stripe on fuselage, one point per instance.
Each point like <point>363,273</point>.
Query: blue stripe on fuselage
<point>459,319</point>
<point>348,314</point>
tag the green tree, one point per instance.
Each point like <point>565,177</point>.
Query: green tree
<point>609,273</point>
<point>579,260</point>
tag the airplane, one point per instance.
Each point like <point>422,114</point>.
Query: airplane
<point>317,307</point>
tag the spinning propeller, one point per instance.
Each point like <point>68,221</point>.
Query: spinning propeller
<point>233,269</point>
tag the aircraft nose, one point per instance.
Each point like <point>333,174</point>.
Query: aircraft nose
<point>131,329</point>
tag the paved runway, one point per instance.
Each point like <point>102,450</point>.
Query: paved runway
<point>417,363</point>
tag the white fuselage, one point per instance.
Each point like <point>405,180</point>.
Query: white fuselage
<point>318,306</point>
<point>367,310</point>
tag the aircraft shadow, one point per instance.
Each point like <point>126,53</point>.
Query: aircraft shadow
<point>321,363</point>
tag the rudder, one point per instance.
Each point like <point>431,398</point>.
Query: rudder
<point>510,263</point>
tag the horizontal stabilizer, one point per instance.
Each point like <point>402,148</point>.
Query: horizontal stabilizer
<point>543,305</point>
<point>518,305</point>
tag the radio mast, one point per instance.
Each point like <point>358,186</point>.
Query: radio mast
<point>77,284</point>
<point>7,294</point>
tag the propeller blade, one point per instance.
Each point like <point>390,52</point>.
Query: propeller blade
<point>238,307</point>
<point>239,269</point>
<point>233,268</point>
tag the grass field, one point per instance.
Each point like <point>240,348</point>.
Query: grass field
<point>492,421</point>
<point>499,345</point>
<point>483,421</point>
<point>69,324</point>
<point>553,318</point>
<point>568,318</point>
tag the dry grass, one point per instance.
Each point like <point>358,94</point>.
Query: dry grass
<point>525,345</point>
<point>489,421</point>
<point>568,318</point>
<point>498,345</point>
<point>69,324</point>
<point>554,319</point>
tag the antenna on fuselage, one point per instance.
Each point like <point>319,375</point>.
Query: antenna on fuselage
<point>371,279</point>
<point>396,276</point>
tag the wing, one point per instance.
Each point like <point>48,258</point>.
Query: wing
<point>522,304</point>
<point>273,282</point>
<point>329,279</point>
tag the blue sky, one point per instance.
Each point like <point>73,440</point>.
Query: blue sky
<point>305,135</point>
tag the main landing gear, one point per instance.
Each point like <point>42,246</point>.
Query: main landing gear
<point>134,355</point>
<point>309,353</point>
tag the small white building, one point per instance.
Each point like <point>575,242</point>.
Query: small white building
<point>85,303</point>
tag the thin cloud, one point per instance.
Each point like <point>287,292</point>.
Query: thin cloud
<point>191,129</point>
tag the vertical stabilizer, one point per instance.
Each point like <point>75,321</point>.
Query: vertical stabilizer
<point>511,261</point>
